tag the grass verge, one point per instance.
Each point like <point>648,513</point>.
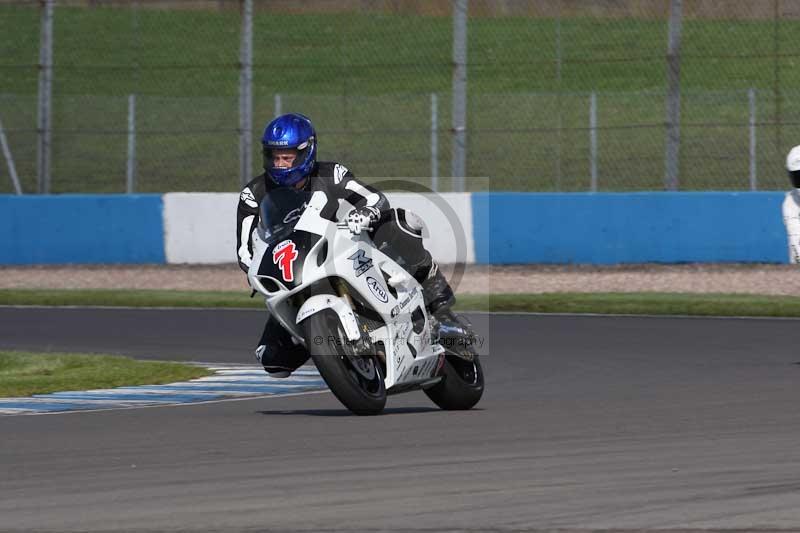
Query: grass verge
<point>24,373</point>
<point>128,298</point>
<point>641,304</point>
<point>609,303</point>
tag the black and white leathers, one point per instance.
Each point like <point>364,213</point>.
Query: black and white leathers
<point>334,179</point>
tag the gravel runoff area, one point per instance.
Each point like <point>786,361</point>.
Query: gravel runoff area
<point>692,278</point>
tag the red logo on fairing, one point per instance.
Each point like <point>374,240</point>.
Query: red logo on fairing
<point>284,256</point>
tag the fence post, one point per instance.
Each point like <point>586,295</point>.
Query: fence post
<point>130,181</point>
<point>559,98</point>
<point>673,119</point>
<point>45,93</point>
<point>434,142</point>
<point>751,96</point>
<point>776,72</point>
<point>459,163</point>
<point>12,170</point>
<point>593,138</point>
<point>130,174</point>
<point>246,94</point>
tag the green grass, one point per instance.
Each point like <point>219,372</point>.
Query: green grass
<point>176,53</point>
<point>128,298</point>
<point>24,374</point>
<point>610,303</point>
<point>640,304</point>
<point>366,81</point>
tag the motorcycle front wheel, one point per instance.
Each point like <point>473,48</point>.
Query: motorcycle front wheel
<point>462,386</point>
<point>355,379</point>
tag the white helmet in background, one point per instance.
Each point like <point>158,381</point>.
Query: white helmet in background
<point>793,166</point>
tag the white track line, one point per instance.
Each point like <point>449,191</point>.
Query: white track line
<point>231,382</point>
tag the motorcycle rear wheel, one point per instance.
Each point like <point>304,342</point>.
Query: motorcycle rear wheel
<point>355,379</point>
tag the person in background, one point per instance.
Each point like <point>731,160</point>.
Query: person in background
<point>791,205</point>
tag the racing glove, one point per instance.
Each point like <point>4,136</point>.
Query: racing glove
<point>362,219</point>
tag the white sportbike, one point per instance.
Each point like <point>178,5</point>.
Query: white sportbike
<point>359,314</point>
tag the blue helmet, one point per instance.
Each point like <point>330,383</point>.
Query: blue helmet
<point>290,131</point>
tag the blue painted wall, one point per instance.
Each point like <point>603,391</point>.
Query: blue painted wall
<point>62,229</point>
<point>610,228</point>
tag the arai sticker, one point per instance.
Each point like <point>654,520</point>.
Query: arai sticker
<point>377,290</point>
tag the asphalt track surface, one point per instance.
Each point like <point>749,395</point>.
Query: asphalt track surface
<point>587,422</point>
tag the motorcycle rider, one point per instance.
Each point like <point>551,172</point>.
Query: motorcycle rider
<point>290,160</point>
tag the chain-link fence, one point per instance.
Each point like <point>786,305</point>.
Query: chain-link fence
<point>538,95</point>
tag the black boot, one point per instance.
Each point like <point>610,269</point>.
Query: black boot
<point>277,351</point>
<point>436,291</point>
<point>450,328</point>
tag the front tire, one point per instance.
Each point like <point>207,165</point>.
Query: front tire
<point>355,379</point>
<point>462,386</point>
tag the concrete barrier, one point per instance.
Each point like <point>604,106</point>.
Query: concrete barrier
<point>201,227</point>
<point>487,228</point>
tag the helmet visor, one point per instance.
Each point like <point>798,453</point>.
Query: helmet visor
<point>286,158</point>
<point>794,177</point>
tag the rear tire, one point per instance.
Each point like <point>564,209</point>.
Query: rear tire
<point>462,385</point>
<point>355,379</point>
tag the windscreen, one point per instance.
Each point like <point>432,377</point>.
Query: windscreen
<point>280,210</point>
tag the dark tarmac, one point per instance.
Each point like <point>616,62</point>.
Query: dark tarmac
<point>587,423</point>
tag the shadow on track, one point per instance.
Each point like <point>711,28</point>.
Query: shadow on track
<point>345,412</point>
